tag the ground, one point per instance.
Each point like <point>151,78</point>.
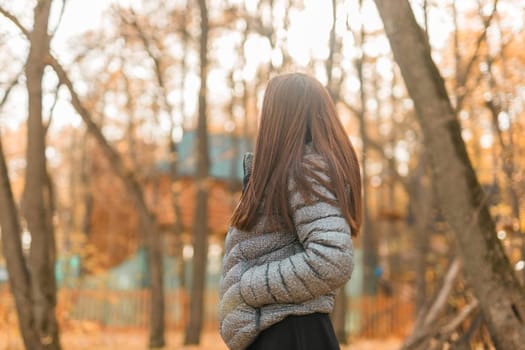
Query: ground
<point>136,340</point>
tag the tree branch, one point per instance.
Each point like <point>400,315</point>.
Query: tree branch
<point>348,106</point>
<point>52,108</point>
<point>10,87</point>
<point>423,331</point>
<point>463,314</point>
<point>60,17</point>
<point>482,36</point>
<point>156,58</point>
<point>147,45</point>
<point>462,77</point>
<point>14,20</point>
<point>442,297</point>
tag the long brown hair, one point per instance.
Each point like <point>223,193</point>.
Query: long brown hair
<point>296,110</point>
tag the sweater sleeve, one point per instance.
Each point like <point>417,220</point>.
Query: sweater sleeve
<point>325,264</point>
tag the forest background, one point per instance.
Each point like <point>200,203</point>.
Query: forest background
<point>119,168</point>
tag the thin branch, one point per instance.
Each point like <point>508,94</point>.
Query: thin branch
<point>443,334</point>
<point>330,61</point>
<point>157,59</point>
<point>147,45</point>
<point>442,297</point>
<point>52,108</point>
<point>10,87</point>
<point>14,20</point>
<point>463,314</point>
<point>375,145</point>
<point>124,172</point>
<point>425,14</point>
<point>457,53</point>
<point>480,39</point>
<point>467,90</point>
<point>462,78</point>
<point>391,161</point>
<point>348,106</point>
<point>473,327</point>
<point>60,17</point>
<point>423,332</point>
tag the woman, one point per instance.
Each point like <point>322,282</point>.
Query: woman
<point>289,248</point>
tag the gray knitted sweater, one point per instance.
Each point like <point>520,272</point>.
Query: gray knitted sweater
<point>269,275</point>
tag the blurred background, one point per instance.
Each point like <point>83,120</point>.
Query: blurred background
<point>123,132</point>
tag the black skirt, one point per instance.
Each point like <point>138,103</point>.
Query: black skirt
<point>314,331</point>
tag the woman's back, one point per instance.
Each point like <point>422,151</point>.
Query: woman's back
<point>281,273</point>
<point>289,247</point>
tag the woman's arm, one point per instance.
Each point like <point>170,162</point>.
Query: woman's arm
<point>238,321</point>
<point>325,264</point>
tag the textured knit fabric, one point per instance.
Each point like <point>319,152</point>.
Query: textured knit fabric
<point>269,275</point>
<point>307,332</point>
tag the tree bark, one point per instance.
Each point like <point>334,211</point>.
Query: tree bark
<point>421,204</point>
<point>200,227</point>
<point>37,199</point>
<point>19,281</point>
<point>487,268</point>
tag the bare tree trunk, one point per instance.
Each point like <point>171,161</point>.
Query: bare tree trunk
<point>369,241</point>
<point>68,212</point>
<point>151,234</point>
<point>233,137</point>
<point>19,279</point>
<point>176,191</point>
<point>37,206</point>
<point>487,268</point>
<point>147,222</point>
<point>85,184</point>
<point>200,227</point>
<point>178,229</point>
<point>19,282</point>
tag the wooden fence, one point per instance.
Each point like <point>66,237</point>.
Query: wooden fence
<point>379,316</point>
<point>369,317</point>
